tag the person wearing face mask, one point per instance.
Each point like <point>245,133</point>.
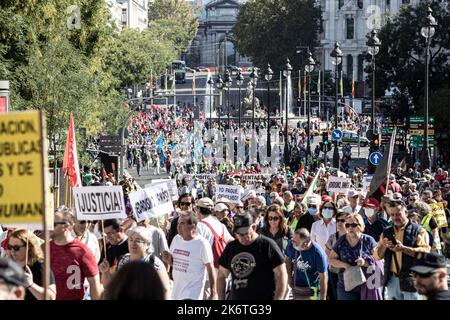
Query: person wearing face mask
<point>307,266</point>
<point>374,224</point>
<point>326,225</point>
<point>306,221</point>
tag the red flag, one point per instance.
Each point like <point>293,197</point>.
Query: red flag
<point>300,172</point>
<point>70,163</point>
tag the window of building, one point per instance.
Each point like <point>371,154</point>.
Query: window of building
<point>405,1</point>
<point>388,4</point>
<point>360,4</point>
<point>360,67</point>
<point>340,3</point>
<point>124,16</point>
<point>350,28</point>
<point>349,65</point>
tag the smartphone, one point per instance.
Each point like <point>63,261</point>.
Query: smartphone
<point>392,239</point>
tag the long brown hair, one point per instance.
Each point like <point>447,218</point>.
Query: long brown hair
<point>35,253</point>
<point>281,222</point>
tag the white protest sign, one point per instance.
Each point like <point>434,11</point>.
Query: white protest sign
<point>151,202</point>
<point>232,193</point>
<point>339,184</point>
<point>171,184</point>
<point>366,183</point>
<point>341,174</point>
<point>99,203</point>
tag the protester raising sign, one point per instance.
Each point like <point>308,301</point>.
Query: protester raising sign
<point>339,184</point>
<point>439,214</point>
<point>99,203</point>
<point>232,193</point>
<point>151,202</point>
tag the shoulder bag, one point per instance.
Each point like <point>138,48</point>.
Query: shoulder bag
<point>354,276</point>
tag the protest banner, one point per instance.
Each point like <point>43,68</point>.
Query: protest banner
<point>338,184</point>
<point>99,203</point>
<point>439,214</point>
<point>171,184</point>
<point>232,193</point>
<point>24,180</point>
<point>153,201</point>
<point>367,179</point>
<point>251,178</point>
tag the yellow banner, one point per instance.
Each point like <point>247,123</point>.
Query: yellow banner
<point>439,214</point>
<point>24,182</point>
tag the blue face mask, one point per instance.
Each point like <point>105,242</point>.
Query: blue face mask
<point>313,211</point>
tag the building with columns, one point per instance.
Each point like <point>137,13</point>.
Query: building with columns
<point>348,22</point>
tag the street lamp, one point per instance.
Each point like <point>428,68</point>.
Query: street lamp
<point>427,31</point>
<point>239,82</point>
<point>286,73</point>
<point>373,47</point>
<point>309,67</point>
<point>268,76</point>
<point>336,60</point>
<point>211,85</point>
<point>253,81</point>
<point>227,85</point>
<point>219,85</point>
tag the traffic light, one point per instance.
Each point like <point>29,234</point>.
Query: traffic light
<point>375,142</point>
<point>325,138</point>
<point>299,102</point>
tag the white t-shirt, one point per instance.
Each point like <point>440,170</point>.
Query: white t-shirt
<point>320,233</point>
<point>205,232</point>
<point>218,227</point>
<point>189,270</point>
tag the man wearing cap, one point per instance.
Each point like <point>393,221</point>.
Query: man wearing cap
<point>398,245</point>
<point>12,280</point>
<point>431,276</point>
<point>393,185</point>
<point>306,221</point>
<point>374,224</point>
<point>256,264</point>
<point>354,198</point>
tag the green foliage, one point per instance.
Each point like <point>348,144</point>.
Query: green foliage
<point>269,30</point>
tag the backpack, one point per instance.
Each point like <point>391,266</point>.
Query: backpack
<point>219,243</point>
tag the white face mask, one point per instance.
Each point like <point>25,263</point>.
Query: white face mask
<point>312,211</point>
<point>369,212</point>
<point>327,213</point>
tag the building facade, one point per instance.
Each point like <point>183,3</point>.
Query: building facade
<point>214,44</point>
<point>129,13</point>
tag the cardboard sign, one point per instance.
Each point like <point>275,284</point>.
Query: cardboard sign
<point>339,184</point>
<point>232,193</point>
<point>171,184</point>
<point>439,214</point>
<point>24,180</point>
<point>99,203</point>
<point>151,202</point>
<point>367,179</point>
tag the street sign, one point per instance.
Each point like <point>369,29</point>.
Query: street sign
<point>420,132</point>
<point>110,144</point>
<point>375,158</point>
<point>420,120</point>
<point>336,135</point>
<point>419,139</point>
<point>389,130</point>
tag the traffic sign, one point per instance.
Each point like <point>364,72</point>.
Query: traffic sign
<point>420,120</point>
<point>375,158</point>
<point>336,135</point>
<point>420,138</point>
<point>420,132</point>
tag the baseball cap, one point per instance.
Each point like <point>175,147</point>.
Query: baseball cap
<point>242,223</point>
<point>205,203</point>
<point>11,272</point>
<point>428,262</point>
<point>314,200</point>
<point>353,193</point>
<point>326,198</point>
<point>392,176</point>
<point>220,207</point>
<point>371,202</point>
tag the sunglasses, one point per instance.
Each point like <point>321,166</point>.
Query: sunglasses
<point>82,222</point>
<point>185,203</point>
<point>353,225</point>
<point>340,220</point>
<point>273,218</point>
<point>15,248</point>
<point>59,223</point>
<point>424,275</point>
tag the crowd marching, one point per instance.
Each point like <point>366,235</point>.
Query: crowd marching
<point>286,238</point>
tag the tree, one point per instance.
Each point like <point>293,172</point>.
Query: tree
<point>400,64</point>
<point>268,31</point>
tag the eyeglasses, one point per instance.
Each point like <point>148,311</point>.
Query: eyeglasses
<point>59,223</point>
<point>312,206</point>
<point>340,220</point>
<point>138,241</point>
<point>424,275</point>
<point>185,203</point>
<point>15,248</point>
<point>352,225</point>
<point>273,218</point>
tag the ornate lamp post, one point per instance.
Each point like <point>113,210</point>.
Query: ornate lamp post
<point>309,67</point>
<point>268,76</point>
<point>239,82</point>
<point>286,73</point>
<point>254,81</point>
<point>227,86</point>
<point>427,31</point>
<point>211,85</point>
<point>219,85</point>
<point>336,60</point>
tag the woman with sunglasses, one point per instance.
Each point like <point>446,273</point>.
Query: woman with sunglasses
<point>33,263</point>
<point>275,227</point>
<point>333,274</point>
<point>353,249</point>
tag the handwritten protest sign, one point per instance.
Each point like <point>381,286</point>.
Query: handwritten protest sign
<point>153,201</point>
<point>232,193</point>
<point>99,203</point>
<point>24,182</point>
<point>439,214</point>
<point>338,184</point>
<point>367,179</point>
<point>171,184</point>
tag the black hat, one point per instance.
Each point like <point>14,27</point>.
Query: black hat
<point>428,262</point>
<point>11,272</point>
<point>242,223</point>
